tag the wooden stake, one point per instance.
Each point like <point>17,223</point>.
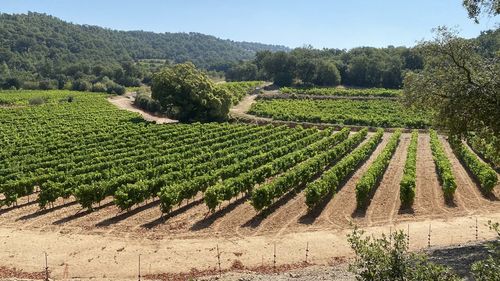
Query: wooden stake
<point>408,237</point>
<point>307,251</point>
<point>477,230</point>
<point>46,267</point>
<point>429,237</point>
<point>218,259</point>
<point>139,275</point>
<point>274,256</point>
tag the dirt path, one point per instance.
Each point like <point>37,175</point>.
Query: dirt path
<point>240,110</point>
<point>126,102</point>
<point>385,202</point>
<point>103,256</point>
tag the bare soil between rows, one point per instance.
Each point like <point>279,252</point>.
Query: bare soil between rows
<point>107,242</point>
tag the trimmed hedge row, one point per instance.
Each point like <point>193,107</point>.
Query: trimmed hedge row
<point>330,180</point>
<point>264,196</point>
<point>484,174</point>
<point>408,183</point>
<point>370,179</point>
<point>443,166</point>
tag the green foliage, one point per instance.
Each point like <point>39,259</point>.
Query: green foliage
<point>302,173</point>
<point>375,113</point>
<point>246,71</point>
<point>487,145</point>
<point>37,47</point>
<point>443,166</point>
<point>240,89</point>
<point>487,269</point>
<point>388,259</point>
<point>145,102</point>
<point>130,160</point>
<point>408,182</point>
<point>485,175</point>
<point>460,82</point>
<point>371,92</point>
<point>329,181</point>
<point>369,181</point>
<point>246,181</point>
<point>187,94</point>
<point>477,7</point>
<point>37,101</point>
<point>255,167</point>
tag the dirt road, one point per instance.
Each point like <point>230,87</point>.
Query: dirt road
<point>126,102</point>
<point>102,256</point>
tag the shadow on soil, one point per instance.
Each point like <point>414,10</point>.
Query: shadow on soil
<point>260,217</point>
<point>460,259</point>
<point>125,215</point>
<point>14,207</point>
<point>81,214</point>
<point>176,212</point>
<point>211,218</point>
<point>42,212</point>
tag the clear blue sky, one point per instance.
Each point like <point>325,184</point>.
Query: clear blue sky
<point>294,23</point>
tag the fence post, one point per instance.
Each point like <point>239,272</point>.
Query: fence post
<point>274,256</point>
<point>46,267</point>
<point>477,231</point>
<point>408,237</point>
<point>139,275</point>
<point>429,237</point>
<point>307,251</point>
<point>218,260</point>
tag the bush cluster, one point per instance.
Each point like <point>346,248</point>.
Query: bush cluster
<point>484,174</point>
<point>408,183</point>
<point>443,166</point>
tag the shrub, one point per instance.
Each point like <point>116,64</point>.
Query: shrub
<point>99,87</point>
<point>388,259</point>
<point>484,174</point>
<point>443,166</point>
<point>82,85</point>
<point>37,101</point>
<point>408,183</point>
<point>147,103</point>
<point>47,85</point>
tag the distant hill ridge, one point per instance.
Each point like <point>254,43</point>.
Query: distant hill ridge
<point>30,40</point>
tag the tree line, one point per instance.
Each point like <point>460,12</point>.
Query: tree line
<point>41,51</point>
<point>306,66</point>
<point>358,67</point>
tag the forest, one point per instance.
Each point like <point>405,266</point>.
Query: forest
<point>39,51</point>
<point>358,67</point>
<point>42,51</point>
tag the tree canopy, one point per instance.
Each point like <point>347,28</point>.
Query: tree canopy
<point>36,47</point>
<point>362,67</point>
<point>187,94</point>
<point>477,7</point>
<point>458,82</point>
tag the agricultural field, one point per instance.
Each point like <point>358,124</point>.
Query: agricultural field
<point>239,90</point>
<point>375,113</point>
<point>74,163</point>
<point>348,92</point>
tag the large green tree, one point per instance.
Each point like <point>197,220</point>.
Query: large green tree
<point>462,86</point>
<point>188,94</point>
